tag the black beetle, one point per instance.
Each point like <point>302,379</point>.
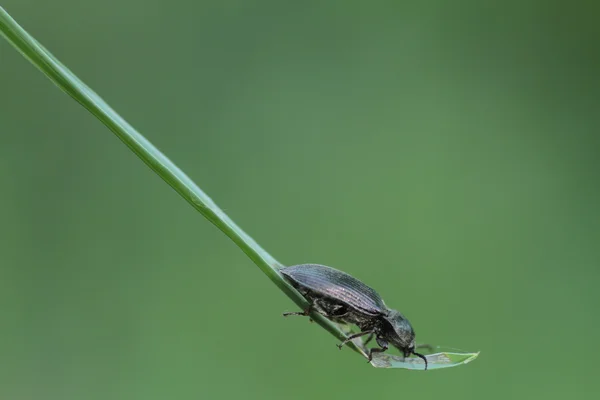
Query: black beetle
<point>344,299</point>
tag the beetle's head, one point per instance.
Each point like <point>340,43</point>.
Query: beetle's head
<point>400,333</point>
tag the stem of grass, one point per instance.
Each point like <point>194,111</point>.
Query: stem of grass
<point>62,77</point>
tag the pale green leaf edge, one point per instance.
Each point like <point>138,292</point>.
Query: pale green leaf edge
<point>435,361</point>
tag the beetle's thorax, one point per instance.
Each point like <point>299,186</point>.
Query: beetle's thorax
<point>396,329</point>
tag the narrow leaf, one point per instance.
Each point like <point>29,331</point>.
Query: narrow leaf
<point>62,77</point>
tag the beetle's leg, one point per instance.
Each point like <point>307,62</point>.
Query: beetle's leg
<point>384,347</point>
<point>369,339</point>
<point>375,350</point>
<point>349,338</point>
<point>424,346</point>
<point>338,312</point>
<point>304,313</point>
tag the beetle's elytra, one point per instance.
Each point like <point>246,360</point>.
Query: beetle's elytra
<point>344,299</point>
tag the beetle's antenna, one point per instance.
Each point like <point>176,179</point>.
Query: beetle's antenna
<point>423,357</point>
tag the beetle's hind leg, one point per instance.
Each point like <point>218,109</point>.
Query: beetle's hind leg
<point>349,338</point>
<point>304,313</point>
<point>317,305</point>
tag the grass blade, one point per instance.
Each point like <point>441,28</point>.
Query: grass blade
<point>435,361</point>
<point>62,77</point>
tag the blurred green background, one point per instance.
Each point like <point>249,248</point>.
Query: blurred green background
<point>446,153</point>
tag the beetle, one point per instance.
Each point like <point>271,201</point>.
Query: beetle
<point>344,299</point>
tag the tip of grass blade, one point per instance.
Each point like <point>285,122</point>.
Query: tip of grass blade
<point>435,361</point>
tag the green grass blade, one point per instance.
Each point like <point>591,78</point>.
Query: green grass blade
<point>435,361</point>
<point>62,77</point>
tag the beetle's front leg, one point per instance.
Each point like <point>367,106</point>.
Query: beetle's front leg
<point>384,347</point>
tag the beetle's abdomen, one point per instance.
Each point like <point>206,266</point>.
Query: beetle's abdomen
<point>337,285</point>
